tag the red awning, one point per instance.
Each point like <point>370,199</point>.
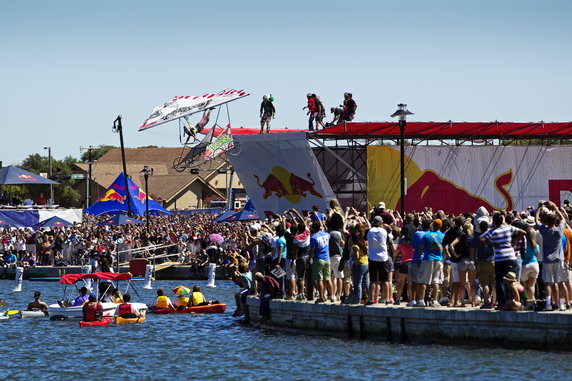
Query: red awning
<point>452,130</point>
<point>73,278</point>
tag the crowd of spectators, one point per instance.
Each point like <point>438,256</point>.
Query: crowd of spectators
<point>508,260</point>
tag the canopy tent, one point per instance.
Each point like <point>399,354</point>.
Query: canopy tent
<point>74,278</point>
<point>247,213</point>
<point>53,222</point>
<point>12,175</point>
<point>224,216</point>
<point>452,130</point>
<point>120,219</point>
<point>113,200</point>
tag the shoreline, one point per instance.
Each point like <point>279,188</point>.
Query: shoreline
<point>428,325</point>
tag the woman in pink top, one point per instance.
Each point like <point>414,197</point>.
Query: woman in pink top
<point>406,252</point>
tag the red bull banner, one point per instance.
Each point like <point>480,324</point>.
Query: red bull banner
<point>460,179</point>
<point>279,172</point>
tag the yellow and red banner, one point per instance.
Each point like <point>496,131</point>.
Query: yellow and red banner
<point>460,179</point>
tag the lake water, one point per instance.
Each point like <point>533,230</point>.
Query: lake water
<point>167,347</point>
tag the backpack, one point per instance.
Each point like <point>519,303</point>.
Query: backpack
<point>266,246</point>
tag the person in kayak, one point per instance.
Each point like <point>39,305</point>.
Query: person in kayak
<point>163,301</point>
<point>197,298</point>
<point>181,301</point>
<point>37,304</point>
<point>92,310</point>
<point>127,310</point>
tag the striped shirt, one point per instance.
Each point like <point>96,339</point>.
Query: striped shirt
<point>501,237</point>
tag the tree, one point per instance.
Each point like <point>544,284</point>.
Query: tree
<point>64,194</point>
<point>96,153</point>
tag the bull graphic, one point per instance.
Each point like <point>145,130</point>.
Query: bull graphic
<point>283,183</point>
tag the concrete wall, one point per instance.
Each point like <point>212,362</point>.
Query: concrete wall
<point>523,329</point>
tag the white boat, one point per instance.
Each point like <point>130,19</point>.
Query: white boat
<point>58,312</point>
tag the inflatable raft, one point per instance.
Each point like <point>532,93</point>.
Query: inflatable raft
<point>104,321</point>
<point>207,309</point>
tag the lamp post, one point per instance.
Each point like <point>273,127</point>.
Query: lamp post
<point>118,127</point>
<point>402,113</point>
<point>50,174</point>
<point>146,171</point>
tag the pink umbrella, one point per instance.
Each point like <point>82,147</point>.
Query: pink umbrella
<point>217,238</point>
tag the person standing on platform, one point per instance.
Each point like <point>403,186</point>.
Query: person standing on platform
<point>267,112</point>
<point>213,253</point>
<point>349,108</point>
<point>431,269</point>
<point>312,110</point>
<point>320,255</point>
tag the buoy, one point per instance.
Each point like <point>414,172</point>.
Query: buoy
<point>212,272</point>
<point>86,269</point>
<point>148,277</point>
<point>19,277</point>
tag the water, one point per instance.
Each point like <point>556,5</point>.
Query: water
<point>218,347</point>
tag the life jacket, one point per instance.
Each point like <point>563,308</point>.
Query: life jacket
<point>125,309</point>
<point>162,302</point>
<point>198,298</point>
<point>183,300</point>
<point>89,312</point>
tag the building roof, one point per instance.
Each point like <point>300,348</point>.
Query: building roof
<point>165,181</point>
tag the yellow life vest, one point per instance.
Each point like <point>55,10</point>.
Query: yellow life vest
<point>162,302</point>
<point>198,298</point>
<point>183,300</point>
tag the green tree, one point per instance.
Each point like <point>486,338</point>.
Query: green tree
<point>64,194</point>
<point>96,153</point>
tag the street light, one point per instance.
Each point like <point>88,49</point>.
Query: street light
<point>118,128</point>
<point>50,174</point>
<point>402,113</point>
<point>146,171</point>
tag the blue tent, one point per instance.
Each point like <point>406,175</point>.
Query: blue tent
<point>247,213</point>
<point>224,216</point>
<point>11,175</point>
<point>114,200</point>
<point>120,219</point>
<point>53,222</point>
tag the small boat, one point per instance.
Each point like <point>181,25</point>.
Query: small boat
<point>206,309</point>
<point>104,321</point>
<point>141,319</point>
<point>58,312</point>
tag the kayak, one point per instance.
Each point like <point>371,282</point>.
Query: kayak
<point>104,321</point>
<point>33,314</point>
<point>120,320</point>
<point>207,309</point>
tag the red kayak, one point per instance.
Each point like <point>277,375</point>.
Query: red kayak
<point>104,321</point>
<point>208,309</point>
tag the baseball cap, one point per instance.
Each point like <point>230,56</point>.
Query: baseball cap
<point>378,219</point>
<point>438,222</point>
<point>381,205</point>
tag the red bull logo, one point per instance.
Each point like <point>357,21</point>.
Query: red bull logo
<point>283,183</point>
<point>26,178</point>
<point>141,196</point>
<point>112,195</point>
<point>441,194</point>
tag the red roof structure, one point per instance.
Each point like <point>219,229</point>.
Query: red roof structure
<point>451,130</point>
<point>249,131</point>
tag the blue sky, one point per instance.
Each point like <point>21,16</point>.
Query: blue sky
<point>68,68</point>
